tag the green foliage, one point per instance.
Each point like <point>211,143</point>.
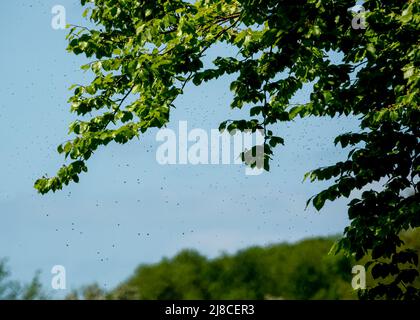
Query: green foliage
<point>89,292</point>
<point>298,271</point>
<point>13,290</point>
<point>302,270</point>
<point>149,51</point>
<point>386,271</point>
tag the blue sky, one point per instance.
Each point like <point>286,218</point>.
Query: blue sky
<point>128,209</point>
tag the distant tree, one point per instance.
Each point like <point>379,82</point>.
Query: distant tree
<point>146,52</point>
<point>89,292</point>
<point>297,271</point>
<point>14,290</point>
<point>183,277</point>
